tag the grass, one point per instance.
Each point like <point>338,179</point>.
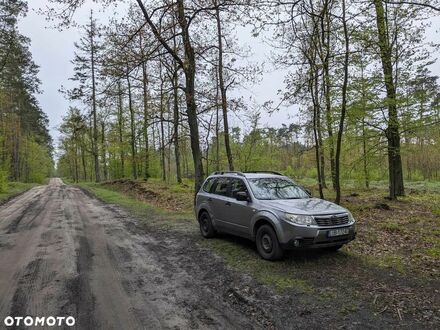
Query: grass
<point>433,252</point>
<point>163,218</point>
<point>241,255</point>
<point>392,227</point>
<point>15,188</point>
<point>172,197</point>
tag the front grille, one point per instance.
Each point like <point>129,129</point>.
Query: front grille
<point>332,220</point>
<point>307,241</point>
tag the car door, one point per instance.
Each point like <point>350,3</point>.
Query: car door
<point>218,199</point>
<point>238,213</point>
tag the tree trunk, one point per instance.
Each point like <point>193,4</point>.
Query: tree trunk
<point>364,135</point>
<point>16,154</point>
<point>120,129</point>
<point>325,38</point>
<point>320,143</point>
<point>83,160</point>
<point>217,130</point>
<point>364,153</point>
<point>343,106</point>
<point>176,127</point>
<point>223,89</point>
<point>176,114</point>
<point>191,106</point>
<point>104,151</point>
<point>95,125</point>
<point>76,160</point>
<point>317,155</point>
<point>132,129</point>
<point>162,132</point>
<point>189,67</point>
<point>169,129</point>
<point>145,101</point>
<point>313,86</point>
<point>90,131</point>
<point>396,187</point>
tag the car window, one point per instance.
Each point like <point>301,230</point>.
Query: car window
<point>237,185</point>
<point>208,185</point>
<point>220,187</point>
<point>276,188</point>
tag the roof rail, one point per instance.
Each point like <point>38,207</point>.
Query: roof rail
<point>227,172</point>
<point>269,172</point>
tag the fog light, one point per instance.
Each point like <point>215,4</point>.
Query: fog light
<point>296,243</point>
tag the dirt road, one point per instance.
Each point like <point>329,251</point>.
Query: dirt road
<point>65,253</point>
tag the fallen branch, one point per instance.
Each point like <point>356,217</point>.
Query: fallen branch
<point>375,299</point>
<point>383,310</point>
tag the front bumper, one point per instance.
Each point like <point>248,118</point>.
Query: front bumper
<point>297,237</point>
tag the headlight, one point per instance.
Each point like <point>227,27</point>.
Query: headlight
<point>300,219</point>
<point>350,217</point>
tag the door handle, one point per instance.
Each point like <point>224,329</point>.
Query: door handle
<point>209,199</point>
<point>228,203</point>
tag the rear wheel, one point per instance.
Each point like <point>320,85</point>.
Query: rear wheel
<point>206,228</point>
<point>267,243</point>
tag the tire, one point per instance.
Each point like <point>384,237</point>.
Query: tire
<point>206,228</point>
<point>267,243</point>
<point>334,248</point>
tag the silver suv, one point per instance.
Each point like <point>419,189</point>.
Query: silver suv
<point>273,211</point>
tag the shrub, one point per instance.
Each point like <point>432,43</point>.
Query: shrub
<point>3,181</point>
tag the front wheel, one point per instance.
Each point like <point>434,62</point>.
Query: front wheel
<point>206,228</point>
<point>267,243</point>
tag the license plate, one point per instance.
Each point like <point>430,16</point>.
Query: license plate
<point>338,232</point>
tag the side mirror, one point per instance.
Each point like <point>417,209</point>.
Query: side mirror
<point>242,196</point>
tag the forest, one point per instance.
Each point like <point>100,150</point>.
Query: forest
<point>155,91</point>
<point>25,143</point>
<point>156,86</point>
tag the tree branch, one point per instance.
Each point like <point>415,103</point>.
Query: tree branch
<point>412,3</point>
<point>158,35</point>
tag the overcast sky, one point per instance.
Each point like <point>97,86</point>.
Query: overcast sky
<point>53,51</point>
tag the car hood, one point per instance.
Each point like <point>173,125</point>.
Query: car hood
<point>306,206</point>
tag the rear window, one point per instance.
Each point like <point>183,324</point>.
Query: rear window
<point>220,187</point>
<point>208,185</point>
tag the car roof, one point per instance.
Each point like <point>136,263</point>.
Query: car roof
<point>249,175</point>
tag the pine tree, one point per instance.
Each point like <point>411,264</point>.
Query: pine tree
<point>86,67</point>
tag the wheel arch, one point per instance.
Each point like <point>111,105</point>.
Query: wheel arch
<point>262,219</point>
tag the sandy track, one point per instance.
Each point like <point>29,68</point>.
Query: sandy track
<point>63,253</point>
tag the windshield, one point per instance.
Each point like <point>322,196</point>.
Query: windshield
<point>276,188</point>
